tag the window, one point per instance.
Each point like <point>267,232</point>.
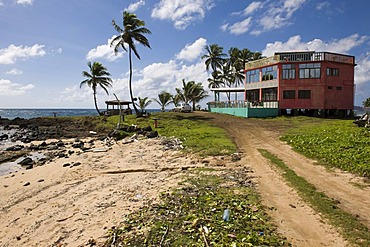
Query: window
<point>253,76</point>
<point>330,87</point>
<point>288,71</point>
<point>269,94</point>
<point>269,73</point>
<point>309,70</point>
<point>288,94</point>
<point>332,72</point>
<point>253,95</point>
<point>304,94</point>
<point>339,88</point>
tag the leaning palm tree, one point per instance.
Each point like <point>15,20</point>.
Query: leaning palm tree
<point>97,76</point>
<point>164,99</point>
<point>133,31</point>
<point>143,103</point>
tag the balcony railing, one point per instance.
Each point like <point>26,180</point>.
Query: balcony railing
<point>244,104</point>
<point>309,56</point>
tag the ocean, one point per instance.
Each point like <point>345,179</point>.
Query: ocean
<point>33,113</point>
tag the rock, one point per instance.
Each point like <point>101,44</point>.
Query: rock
<point>77,164</point>
<point>26,162</point>
<point>147,128</point>
<point>15,148</point>
<point>152,134</point>
<point>4,137</point>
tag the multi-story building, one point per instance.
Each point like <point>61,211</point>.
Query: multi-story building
<point>320,83</point>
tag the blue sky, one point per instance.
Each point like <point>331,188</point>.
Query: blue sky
<point>46,44</point>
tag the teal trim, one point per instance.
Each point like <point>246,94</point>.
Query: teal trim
<point>247,112</point>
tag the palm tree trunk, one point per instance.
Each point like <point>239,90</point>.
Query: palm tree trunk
<point>130,82</point>
<point>96,104</point>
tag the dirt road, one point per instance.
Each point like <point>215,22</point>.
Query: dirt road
<point>296,220</point>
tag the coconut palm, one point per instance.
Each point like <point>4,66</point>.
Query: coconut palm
<point>98,76</point>
<point>191,92</point>
<point>214,57</point>
<point>133,31</point>
<point>164,99</point>
<point>143,103</point>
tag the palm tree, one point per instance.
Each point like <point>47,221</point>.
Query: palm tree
<point>214,57</point>
<point>164,99</point>
<point>198,93</point>
<point>191,92</point>
<point>133,31</point>
<point>98,76</point>
<point>143,103</point>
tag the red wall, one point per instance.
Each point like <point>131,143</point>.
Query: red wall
<point>321,96</point>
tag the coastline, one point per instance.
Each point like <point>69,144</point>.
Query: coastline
<point>70,200</point>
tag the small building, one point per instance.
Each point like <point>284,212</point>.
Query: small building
<point>115,106</point>
<point>300,82</point>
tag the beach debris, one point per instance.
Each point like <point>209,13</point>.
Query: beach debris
<point>4,137</point>
<point>363,121</point>
<point>172,143</point>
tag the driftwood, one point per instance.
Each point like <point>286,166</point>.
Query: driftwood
<point>363,121</point>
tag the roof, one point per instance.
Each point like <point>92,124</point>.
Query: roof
<point>117,102</point>
<point>228,89</point>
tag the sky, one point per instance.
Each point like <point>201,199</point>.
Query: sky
<point>46,44</point>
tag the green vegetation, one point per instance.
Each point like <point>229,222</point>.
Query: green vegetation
<point>334,143</point>
<point>192,215</point>
<point>98,76</point>
<point>356,233</point>
<point>194,131</point>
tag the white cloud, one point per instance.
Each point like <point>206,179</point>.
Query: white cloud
<point>277,15</point>
<point>135,6</point>
<point>267,15</point>
<point>12,53</point>
<point>8,88</point>
<point>362,70</point>
<point>240,27</point>
<point>14,72</point>
<point>252,7</point>
<point>294,43</point>
<point>322,5</point>
<point>192,51</point>
<point>104,52</point>
<point>1,3</point>
<point>182,13</point>
<point>24,2</point>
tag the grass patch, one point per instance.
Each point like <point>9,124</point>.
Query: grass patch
<point>192,215</point>
<point>350,228</point>
<point>196,134</point>
<point>334,143</point>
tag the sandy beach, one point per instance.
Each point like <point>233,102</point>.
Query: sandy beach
<point>71,201</point>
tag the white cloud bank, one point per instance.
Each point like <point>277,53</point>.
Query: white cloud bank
<point>149,81</point>
<point>343,45</point>
<point>104,52</point>
<point>193,51</point>
<point>24,2</point>
<point>14,72</point>
<point>11,54</point>
<point>263,16</point>
<point>183,13</point>
<point>8,88</point>
<point>135,6</point>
